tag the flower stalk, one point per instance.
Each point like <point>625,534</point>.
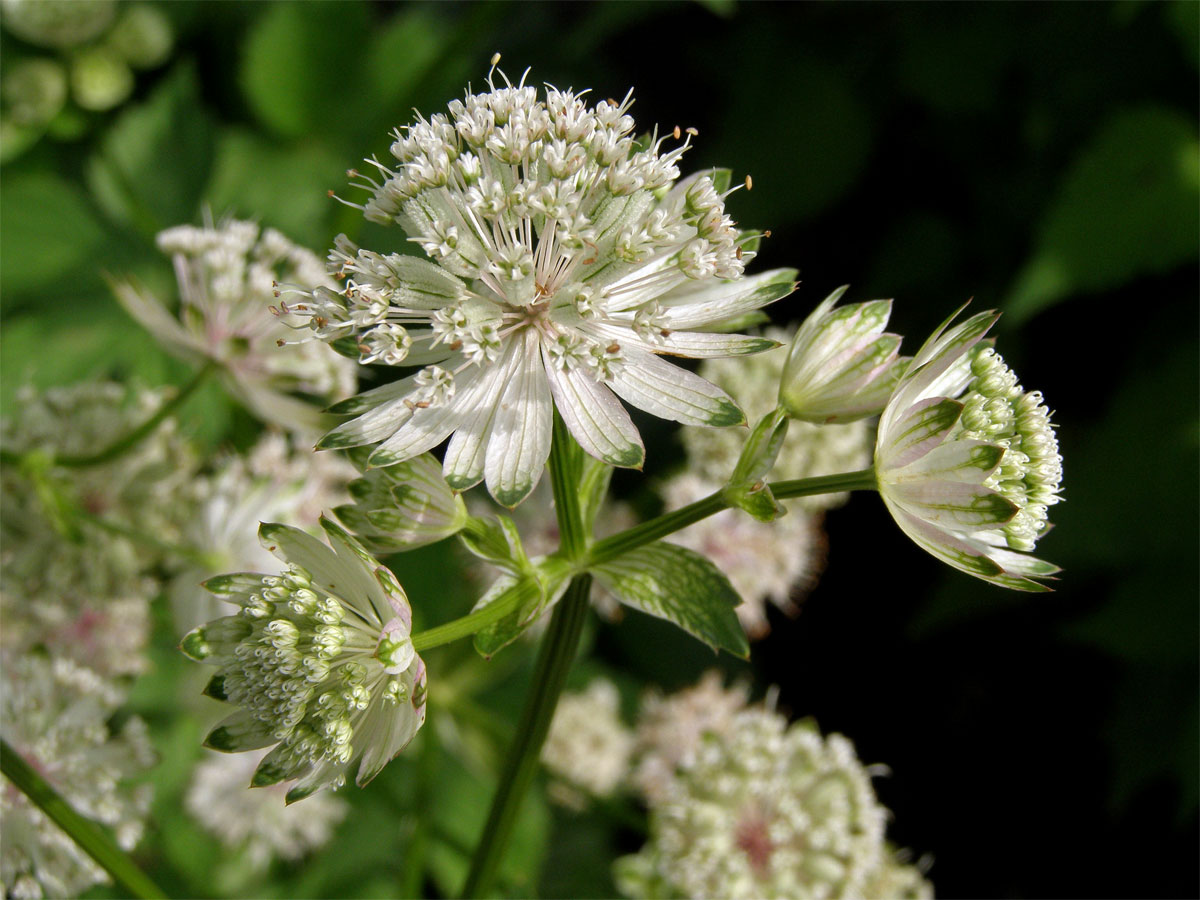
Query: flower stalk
<point>87,834</point>
<point>549,675</point>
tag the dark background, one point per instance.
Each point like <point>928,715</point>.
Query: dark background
<point>1040,158</point>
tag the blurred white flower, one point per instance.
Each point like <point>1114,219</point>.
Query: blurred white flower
<point>767,562</point>
<point>762,810</point>
<point>56,716</point>
<point>256,822</point>
<point>319,660</point>
<point>276,481</point>
<point>57,23</point>
<point>588,746</point>
<point>565,259</point>
<point>671,728</point>
<point>967,460</point>
<point>228,276</point>
<point>78,588</point>
<point>808,450</point>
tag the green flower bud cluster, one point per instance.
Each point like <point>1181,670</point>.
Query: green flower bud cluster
<point>998,410</point>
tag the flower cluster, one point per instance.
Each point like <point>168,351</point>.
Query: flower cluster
<point>255,823</point>
<point>228,276</point>
<point>319,659</point>
<point>56,717</point>
<point>69,582</point>
<point>588,746</point>
<point>762,809</point>
<point>563,258</point>
<point>968,461</point>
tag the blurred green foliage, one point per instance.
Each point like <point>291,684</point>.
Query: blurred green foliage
<point>1039,157</point>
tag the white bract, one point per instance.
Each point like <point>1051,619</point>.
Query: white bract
<point>320,660</point>
<point>967,460</point>
<point>228,276</point>
<point>564,257</point>
<point>841,366</point>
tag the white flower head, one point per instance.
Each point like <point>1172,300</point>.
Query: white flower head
<point>968,461</point>
<point>319,659</point>
<point>563,258</point>
<point>767,562</point>
<point>763,810</point>
<point>671,729</point>
<point>841,365</point>
<point>229,277</point>
<point>808,450</point>
<point>588,745</point>
<point>276,481</point>
<point>67,584</point>
<point>256,823</point>
<point>56,716</point>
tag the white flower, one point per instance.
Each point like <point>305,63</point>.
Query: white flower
<point>762,811</point>
<point>56,716</point>
<point>319,659</point>
<point>841,366</point>
<point>73,587</point>
<point>256,823</point>
<point>670,729</point>
<point>765,561</point>
<point>57,23</point>
<point>276,481</point>
<point>564,258</point>
<point>588,745</point>
<point>808,450</point>
<point>968,461</point>
<point>227,278</point>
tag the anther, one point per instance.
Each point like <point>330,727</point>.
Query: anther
<point>749,183</point>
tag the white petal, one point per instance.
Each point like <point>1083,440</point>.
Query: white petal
<point>430,426</point>
<point>912,435</point>
<point>463,463</point>
<point>692,344</point>
<point>670,392</point>
<point>952,504</point>
<point>374,425</point>
<point>689,307</point>
<point>595,417</point>
<point>329,573</point>
<point>520,438</point>
<point>153,316</point>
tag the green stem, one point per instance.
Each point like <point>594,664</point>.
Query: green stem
<point>135,437</point>
<point>84,832</point>
<point>549,676</point>
<point>565,465</point>
<point>619,544</point>
<point>509,600</point>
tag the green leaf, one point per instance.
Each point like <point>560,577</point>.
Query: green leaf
<point>681,586</point>
<point>497,541</point>
<point>1126,208</point>
<point>302,69</point>
<point>284,185</point>
<point>152,165</point>
<point>593,489</point>
<point>47,231</point>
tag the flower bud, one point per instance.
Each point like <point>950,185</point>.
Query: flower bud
<point>841,366</point>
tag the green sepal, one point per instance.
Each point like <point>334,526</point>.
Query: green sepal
<point>551,575</point>
<point>681,586</point>
<point>497,541</point>
<point>747,488</point>
<point>241,731</point>
<point>347,347</point>
<point>744,322</point>
<point>195,646</point>
<point>216,688</point>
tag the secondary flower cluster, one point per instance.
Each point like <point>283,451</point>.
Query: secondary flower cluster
<point>563,257</point>
<point>319,660</point>
<point>227,277</point>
